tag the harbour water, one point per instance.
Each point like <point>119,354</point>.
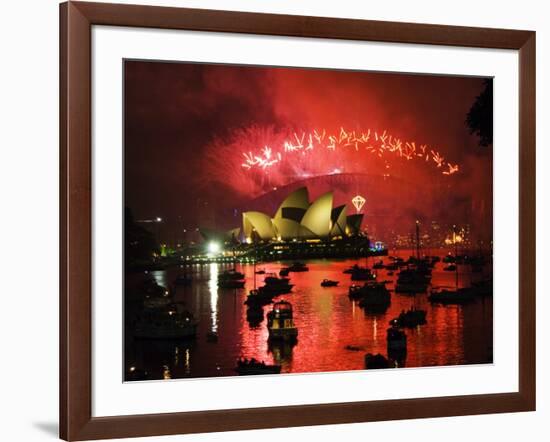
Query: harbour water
<point>334,332</point>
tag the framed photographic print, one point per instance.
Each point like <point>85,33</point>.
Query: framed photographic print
<point>273,221</point>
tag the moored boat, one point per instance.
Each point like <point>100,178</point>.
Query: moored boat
<point>256,298</point>
<point>412,280</point>
<point>396,340</point>
<point>410,318</point>
<point>280,322</point>
<point>298,267</point>
<point>284,271</point>
<point>231,284</point>
<point>351,269</point>
<point>362,274</point>
<point>375,296</point>
<point>254,367</point>
<point>230,274</point>
<point>231,279</point>
<point>328,283</point>
<point>377,361</point>
<point>378,265</point>
<point>372,295</point>
<point>456,296</point>
<point>165,325</point>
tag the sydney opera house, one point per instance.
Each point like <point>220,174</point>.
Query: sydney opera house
<point>296,219</point>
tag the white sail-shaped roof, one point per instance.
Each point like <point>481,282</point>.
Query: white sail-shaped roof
<point>260,223</point>
<point>298,199</point>
<point>317,219</point>
<point>286,229</point>
<point>339,224</point>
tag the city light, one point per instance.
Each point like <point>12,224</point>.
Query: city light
<point>214,247</point>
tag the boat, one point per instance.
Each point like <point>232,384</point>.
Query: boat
<point>378,265</point>
<point>260,272</point>
<point>157,302</point>
<point>256,298</point>
<point>396,340</point>
<point>450,268</point>
<point>157,298</point>
<point>392,266</point>
<point>274,286</point>
<point>362,274</point>
<point>165,325</point>
<point>375,296</point>
<point>230,274</point>
<point>412,280</point>
<point>273,279</point>
<point>410,318</point>
<point>360,291</point>
<point>298,267</point>
<point>377,361</point>
<point>355,291</point>
<point>329,283</point>
<point>151,287</point>
<point>352,348</point>
<point>231,284</point>
<point>456,296</point>
<point>351,269</point>
<point>284,271</point>
<point>371,294</point>
<point>280,322</point>
<point>254,367</point>
<point>254,314</point>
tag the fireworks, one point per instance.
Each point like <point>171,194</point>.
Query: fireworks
<point>265,159</point>
<point>258,159</point>
<point>370,142</point>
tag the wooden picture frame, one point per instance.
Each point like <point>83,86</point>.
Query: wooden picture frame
<point>76,21</point>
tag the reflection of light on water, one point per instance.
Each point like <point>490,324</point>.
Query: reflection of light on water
<point>166,372</point>
<point>160,277</point>
<point>443,340</point>
<point>213,287</point>
<point>187,364</point>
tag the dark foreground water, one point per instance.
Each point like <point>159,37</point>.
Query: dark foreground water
<point>328,322</point>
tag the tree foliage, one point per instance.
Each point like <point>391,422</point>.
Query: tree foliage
<point>480,117</point>
<point>140,244</point>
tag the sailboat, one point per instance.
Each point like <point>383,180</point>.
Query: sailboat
<point>458,295</point>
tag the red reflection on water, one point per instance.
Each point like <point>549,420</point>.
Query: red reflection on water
<point>328,322</point>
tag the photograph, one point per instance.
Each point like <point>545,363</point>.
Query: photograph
<point>283,220</point>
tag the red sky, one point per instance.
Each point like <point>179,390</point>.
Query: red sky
<point>188,125</point>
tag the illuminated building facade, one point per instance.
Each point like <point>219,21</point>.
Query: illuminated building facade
<point>298,219</point>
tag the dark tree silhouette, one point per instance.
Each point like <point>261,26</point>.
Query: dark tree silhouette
<point>139,242</point>
<point>480,117</point>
